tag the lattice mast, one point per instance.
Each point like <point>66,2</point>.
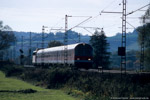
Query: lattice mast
<point>123,43</point>
<point>42,56</point>
<point>66,40</point>
<point>142,50</point>
<point>30,46</point>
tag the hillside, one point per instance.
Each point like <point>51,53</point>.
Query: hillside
<point>114,41</point>
<point>131,41</point>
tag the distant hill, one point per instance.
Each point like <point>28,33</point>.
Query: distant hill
<point>73,37</point>
<point>131,41</point>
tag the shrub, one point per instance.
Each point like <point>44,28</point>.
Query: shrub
<point>12,70</point>
<point>58,77</point>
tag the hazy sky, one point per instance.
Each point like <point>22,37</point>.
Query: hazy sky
<point>31,15</point>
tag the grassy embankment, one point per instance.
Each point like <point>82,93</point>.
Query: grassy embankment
<point>9,88</point>
<point>83,85</point>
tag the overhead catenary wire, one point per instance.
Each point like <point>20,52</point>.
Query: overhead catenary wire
<point>109,5</point>
<point>81,23</point>
<point>58,22</point>
<point>100,12</point>
<point>137,9</point>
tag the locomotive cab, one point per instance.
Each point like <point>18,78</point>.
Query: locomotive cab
<point>83,56</point>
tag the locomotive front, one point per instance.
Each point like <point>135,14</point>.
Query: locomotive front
<point>83,56</point>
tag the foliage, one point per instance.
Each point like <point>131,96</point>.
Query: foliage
<point>147,59</point>
<point>54,43</point>
<point>6,36</point>
<point>53,78</point>
<point>144,35</point>
<point>144,32</point>
<point>12,70</point>
<point>100,46</point>
<point>130,60</point>
<point>93,86</point>
<point>115,60</point>
<point>58,77</point>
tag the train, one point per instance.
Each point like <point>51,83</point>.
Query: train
<point>79,55</point>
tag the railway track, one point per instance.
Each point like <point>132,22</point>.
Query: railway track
<point>28,66</point>
<point>101,71</point>
<point>114,71</point>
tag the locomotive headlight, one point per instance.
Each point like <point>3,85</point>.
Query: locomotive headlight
<point>89,59</point>
<point>78,58</point>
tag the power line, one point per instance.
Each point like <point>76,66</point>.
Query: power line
<point>137,9</point>
<point>89,17</point>
<point>86,28</point>
<point>109,4</point>
<point>58,22</point>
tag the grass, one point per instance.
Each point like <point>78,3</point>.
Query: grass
<point>11,84</point>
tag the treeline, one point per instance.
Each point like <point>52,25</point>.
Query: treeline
<point>49,36</point>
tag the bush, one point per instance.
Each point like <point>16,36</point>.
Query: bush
<point>58,77</point>
<point>12,70</point>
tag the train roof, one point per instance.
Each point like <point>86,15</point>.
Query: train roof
<point>59,48</point>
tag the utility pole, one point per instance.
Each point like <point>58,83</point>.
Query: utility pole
<point>66,41</point>
<point>142,49</point>
<point>42,58</point>
<point>30,43</point>
<point>123,43</point>
<point>142,53</point>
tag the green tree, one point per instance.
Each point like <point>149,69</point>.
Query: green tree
<point>144,35</point>
<point>144,32</point>
<point>100,46</point>
<point>6,36</point>
<point>54,43</point>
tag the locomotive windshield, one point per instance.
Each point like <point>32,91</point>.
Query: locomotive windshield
<point>83,50</point>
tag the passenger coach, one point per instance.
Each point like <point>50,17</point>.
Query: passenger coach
<point>79,56</point>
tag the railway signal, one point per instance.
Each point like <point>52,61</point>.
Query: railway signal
<point>21,52</point>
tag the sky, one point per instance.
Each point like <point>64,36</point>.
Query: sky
<point>31,15</point>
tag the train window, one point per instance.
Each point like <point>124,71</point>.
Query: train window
<point>84,50</point>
